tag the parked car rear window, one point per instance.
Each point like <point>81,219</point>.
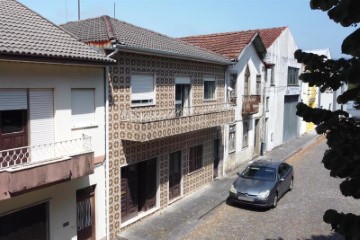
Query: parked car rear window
<point>259,173</point>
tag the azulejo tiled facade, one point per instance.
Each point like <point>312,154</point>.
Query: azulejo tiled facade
<point>157,139</point>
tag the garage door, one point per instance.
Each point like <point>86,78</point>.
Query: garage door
<point>28,223</point>
<point>290,129</point>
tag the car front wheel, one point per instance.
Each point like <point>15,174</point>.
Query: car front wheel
<point>291,184</point>
<point>275,200</point>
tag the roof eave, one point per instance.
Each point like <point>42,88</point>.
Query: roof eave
<point>160,53</point>
<point>54,59</point>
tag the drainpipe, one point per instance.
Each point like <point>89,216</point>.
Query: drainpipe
<point>106,98</point>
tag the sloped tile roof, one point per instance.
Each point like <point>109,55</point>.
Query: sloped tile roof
<point>24,33</point>
<point>229,44</point>
<point>132,37</point>
<point>269,35</point>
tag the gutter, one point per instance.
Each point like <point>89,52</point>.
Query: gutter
<point>160,53</point>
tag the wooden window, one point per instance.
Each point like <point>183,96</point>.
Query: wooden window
<point>83,107</point>
<point>232,138</point>
<point>245,134</point>
<point>195,159</point>
<point>142,89</point>
<point>247,90</point>
<point>233,84</point>
<point>293,76</point>
<point>209,88</point>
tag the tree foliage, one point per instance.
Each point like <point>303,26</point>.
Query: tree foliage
<point>342,131</point>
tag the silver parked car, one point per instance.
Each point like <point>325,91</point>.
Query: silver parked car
<point>262,183</point>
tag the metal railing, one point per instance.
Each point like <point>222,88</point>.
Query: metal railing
<point>150,115</point>
<point>45,152</point>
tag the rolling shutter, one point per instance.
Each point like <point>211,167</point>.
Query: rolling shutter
<point>142,87</point>
<point>13,99</point>
<point>83,107</point>
<point>41,104</point>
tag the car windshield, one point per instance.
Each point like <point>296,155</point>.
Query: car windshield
<point>259,173</point>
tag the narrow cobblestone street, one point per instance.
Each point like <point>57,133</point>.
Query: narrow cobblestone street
<point>299,212</point>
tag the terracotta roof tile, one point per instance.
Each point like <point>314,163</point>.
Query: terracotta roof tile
<point>105,28</point>
<point>269,35</point>
<point>231,44</point>
<point>25,33</point>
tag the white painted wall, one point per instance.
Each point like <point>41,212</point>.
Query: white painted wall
<point>280,53</point>
<point>248,57</point>
<point>62,197</point>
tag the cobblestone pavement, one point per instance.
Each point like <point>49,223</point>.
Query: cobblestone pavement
<point>298,214</point>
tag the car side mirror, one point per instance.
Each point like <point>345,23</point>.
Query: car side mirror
<point>239,174</point>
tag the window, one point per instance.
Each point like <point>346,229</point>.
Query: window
<point>232,138</point>
<point>142,89</point>
<point>293,74</point>
<point>83,107</point>
<point>233,80</point>
<point>258,84</point>
<point>195,158</point>
<point>209,88</point>
<point>272,76</point>
<point>245,134</point>
<point>267,103</point>
<point>247,82</point>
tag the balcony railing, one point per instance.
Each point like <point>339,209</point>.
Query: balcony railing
<point>28,155</point>
<point>250,104</point>
<point>151,115</point>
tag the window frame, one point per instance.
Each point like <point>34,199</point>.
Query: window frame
<point>142,102</point>
<point>245,139</point>
<point>293,76</point>
<point>209,80</point>
<point>84,124</point>
<point>232,138</point>
<point>196,161</point>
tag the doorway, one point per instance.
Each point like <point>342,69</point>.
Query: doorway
<point>28,223</point>
<point>13,134</point>
<point>85,205</point>
<point>257,138</point>
<point>138,188</point>
<point>182,99</point>
<point>174,175</point>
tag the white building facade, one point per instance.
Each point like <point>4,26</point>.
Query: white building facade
<point>282,87</point>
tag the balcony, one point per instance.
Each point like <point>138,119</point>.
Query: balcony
<point>250,104</point>
<point>144,125</point>
<point>31,167</point>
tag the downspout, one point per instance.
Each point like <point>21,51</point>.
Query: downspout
<point>107,170</point>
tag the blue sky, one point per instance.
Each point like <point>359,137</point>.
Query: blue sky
<point>177,18</point>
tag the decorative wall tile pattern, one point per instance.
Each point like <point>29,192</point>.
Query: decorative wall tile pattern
<point>162,137</point>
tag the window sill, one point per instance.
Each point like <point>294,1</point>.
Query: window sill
<point>143,105</point>
<point>84,127</point>
<point>196,171</point>
<point>232,152</point>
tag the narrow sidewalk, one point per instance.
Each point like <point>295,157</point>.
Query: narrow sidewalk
<point>176,220</point>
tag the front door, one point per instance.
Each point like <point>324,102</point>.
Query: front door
<point>13,134</point>
<point>182,99</point>
<point>85,203</point>
<point>257,138</point>
<point>138,188</point>
<point>175,175</point>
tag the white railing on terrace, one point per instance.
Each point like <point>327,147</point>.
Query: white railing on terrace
<point>149,115</point>
<point>28,155</point>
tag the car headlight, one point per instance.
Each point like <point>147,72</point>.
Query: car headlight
<point>233,189</point>
<point>264,195</point>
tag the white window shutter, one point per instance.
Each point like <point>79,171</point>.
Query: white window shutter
<point>83,107</point>
<point>142,87</point>
<point>13,99</point>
